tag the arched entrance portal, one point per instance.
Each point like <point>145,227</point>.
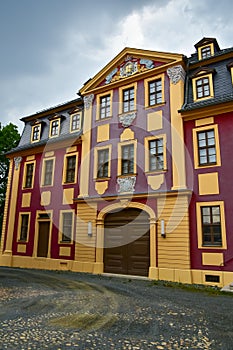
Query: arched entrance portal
<point>127,242</point>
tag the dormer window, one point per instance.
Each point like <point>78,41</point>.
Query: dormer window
<point>55,124</point>
<point>36,132</point>
<point>206,48</point>
<point>75,124</point>
<point>205,52</point>
<point>203,87</point>
<point>202,81</point>
<point>54,130</point>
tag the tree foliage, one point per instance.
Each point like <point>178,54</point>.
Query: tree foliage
<point>9,138</point>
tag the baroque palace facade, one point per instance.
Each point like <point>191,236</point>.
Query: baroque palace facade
<point>132,177</point>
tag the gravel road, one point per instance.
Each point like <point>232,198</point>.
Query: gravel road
<point>64,310</point>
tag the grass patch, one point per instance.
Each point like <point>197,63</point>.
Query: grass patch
<point>197,288</point>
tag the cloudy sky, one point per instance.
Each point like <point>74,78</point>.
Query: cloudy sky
<point>49,48</point>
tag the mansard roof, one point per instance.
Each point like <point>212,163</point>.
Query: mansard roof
<point>43,117</point>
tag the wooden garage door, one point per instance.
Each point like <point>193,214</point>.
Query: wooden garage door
<point>127,242</point>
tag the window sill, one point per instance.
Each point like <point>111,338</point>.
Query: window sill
<point>155,172</point>
<point>155,106</point>
<point>99,179</point>
<point>126,175</point>
<point>103,119</point>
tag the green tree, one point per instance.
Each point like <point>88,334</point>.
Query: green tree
<point>9,138</point>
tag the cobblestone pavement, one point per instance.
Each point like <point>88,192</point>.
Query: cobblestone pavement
<point>64,310</point>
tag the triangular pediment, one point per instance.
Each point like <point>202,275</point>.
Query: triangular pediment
<point>128,63</point>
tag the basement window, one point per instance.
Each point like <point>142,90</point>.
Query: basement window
<point>212,278</point>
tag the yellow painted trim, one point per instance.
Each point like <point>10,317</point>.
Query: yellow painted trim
<point>71,119</point>
<point>36,237</point>
<point>65,168</point>
<point>177,136</point>
<point>98,97</point>
<point>20,224</point>
<point>118,205</point>
<point>4,228</point>
<point>146,87</point>
<point>43,172</point>
<point>101,186</point>
<point>155,120</point>
<point>211,45</point>
<point>214,259</point>
<point>25,173</point>
<point>103,132</point>
<point>26,199</point>
<point>208,184</point>
<point>155,181</point>
<point>207,111</point>
<point>29,158</point>
<point>21,248</point>
<point>68,196</point>
<point>232,75</point>
<point>211,86</point>
<point>12,208</point>
<point>126,135</point>
<point>61,225</point>
<point>49,154</point>
<point>32,132</point>
<point>72,149</point>
<point>50,127</point>
<point>45,198</point>
<point>64,251</point>
<point>146,141</point>
<point>126,87</point>
<point>199,224</point>
<point>100,148</point>
<point>119,160</point>
<point>204,121</point>
<point>86,150</point>
<point>195,146</point>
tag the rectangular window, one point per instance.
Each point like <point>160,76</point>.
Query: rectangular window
<point>211,226</point>
<point>203,87</point>
<point>24,227</point>
<point>105,106</point>
<point>156,159</point>
<point>127,159</point>
<point>67,225</point>
<point>75,122</point>
<point>128,100</point>
<point>54,128</point>
<point>206,147</point>
<point>70,169</point>
<point>155,92</point>
<point>48,172</point>
<point>29,175</point>
<point>103,163</point>
<point>205,52</point>
<point>36,133</point>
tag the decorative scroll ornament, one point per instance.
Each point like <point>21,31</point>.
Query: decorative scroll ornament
<point>126,184</point>
<point>88,101</point>
<point>176,74</point>
<point>110,76</point>
<point>17,161</point>
<point>127,119</point>
<point>148,63</point>
<point>130,66</point>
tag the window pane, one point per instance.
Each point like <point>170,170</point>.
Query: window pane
<point>24,227</point>
<point>67,227</point>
